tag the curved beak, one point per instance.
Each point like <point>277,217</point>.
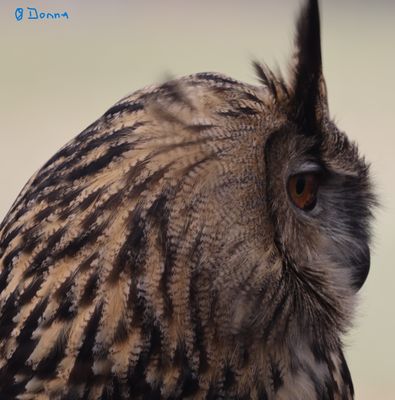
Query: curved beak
<point>361,264</point>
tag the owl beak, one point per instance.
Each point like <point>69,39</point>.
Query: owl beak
<point>361,265</point>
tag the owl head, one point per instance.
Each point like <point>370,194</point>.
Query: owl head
<point>312,213</point>
<point>204,236</point>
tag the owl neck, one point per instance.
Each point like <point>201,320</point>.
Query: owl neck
<point>288,348</point>
<point>295,371</point>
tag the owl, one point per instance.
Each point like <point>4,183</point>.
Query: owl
<point>203,239</point>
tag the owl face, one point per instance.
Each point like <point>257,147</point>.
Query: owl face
<point>314,218</point>
<point>321,206</point>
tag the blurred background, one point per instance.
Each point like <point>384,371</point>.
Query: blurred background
<point>58,76</point>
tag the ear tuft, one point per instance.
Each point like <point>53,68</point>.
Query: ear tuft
<point>309,94</point>
<point>272,81</point>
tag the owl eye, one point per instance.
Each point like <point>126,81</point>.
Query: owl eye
<point>302,189</point>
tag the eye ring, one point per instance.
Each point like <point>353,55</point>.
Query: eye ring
<point>303,189</point>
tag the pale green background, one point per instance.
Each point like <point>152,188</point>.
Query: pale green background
<point>56,77</point>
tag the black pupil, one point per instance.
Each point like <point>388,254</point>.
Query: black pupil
<point>300,185</point>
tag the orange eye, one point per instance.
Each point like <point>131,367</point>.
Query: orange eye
<point>302,189</point>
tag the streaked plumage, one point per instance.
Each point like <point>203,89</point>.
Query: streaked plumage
<point>158,254</point>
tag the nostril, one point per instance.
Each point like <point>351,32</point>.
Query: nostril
<point>361,265</point>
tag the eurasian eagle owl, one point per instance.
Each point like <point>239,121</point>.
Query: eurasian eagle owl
<point>204,239</point>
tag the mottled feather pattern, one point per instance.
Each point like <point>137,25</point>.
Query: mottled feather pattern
<point>156,256</point>
<point>101,205</point>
